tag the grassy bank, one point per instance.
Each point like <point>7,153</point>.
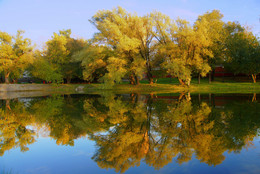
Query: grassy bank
<point>166,85</point>
<point>194,88</point>
<point>171,85</point>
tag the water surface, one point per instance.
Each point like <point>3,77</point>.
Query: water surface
<point>130,133</point>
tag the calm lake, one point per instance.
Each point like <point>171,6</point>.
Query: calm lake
<point>131,133</point>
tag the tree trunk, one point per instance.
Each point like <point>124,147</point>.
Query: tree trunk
<point>149,74</point>
<point>181,82</point>
<point>254,78</point>
<point>188,98</point>
<point>254,97</point>
<point>15,80</point>
<point>210,78</point>
<point>150,77</point>
<point>151,81</point>
<point>210,99</point>
<point>188,82</point>
<point>7,78</point>
<point>132,79</point>
<point>212,75</point>
<point>181,96</point>
<point>137,80</point>
<point>132,95</point>
<point>7,104</point>
<point>199,79</point>
<point>68,80</point>
<point>69,99</point>
<point>213,100</point>
<point>149,114</point>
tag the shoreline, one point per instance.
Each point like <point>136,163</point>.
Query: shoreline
<point>216,87</point>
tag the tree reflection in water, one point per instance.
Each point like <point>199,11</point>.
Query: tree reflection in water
<point>13,127</point>
<point>129,129</point>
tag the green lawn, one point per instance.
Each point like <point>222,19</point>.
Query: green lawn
<point>171,85</point>
<point>162,85</point>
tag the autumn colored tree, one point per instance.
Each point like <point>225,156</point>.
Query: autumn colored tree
<point>56,115</point>
<point>213,24</point>
<point>185,50</point>
<point>93,60</point>
<point>130,36</point>
<point>141,43</point>
<point>181,47</point>
<point>14,122</point>
<point>128,142</point>
<point>172,129</point>
<point>15,55</point>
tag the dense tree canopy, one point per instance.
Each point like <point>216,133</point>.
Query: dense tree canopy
<point>155,41</point>
<point>15,55</point>
<point>243,51</point>
<point>135,47</point>
<point>130,37</point>
<point>55,63</point>
<point>144,40</point>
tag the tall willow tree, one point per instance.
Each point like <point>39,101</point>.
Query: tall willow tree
<point>181,47</point>
<point>185,49</point>
<point>146,42</point>
<point>15,55</point>
<point>130,36</point>
<point>213,26</point>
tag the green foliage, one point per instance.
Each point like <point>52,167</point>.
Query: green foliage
<point>243,51</point>
<point>93,59</point>
<point>43,69</point>
<point>56,60</point>
<point>72,69</point>
<point>116,71</point>
<point>56,49</point>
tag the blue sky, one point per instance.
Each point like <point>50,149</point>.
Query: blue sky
<point>40,18</point>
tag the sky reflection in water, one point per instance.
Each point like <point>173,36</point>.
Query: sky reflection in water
<point>131,133</point>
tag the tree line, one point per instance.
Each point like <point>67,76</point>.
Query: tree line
<point>131,46</point>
